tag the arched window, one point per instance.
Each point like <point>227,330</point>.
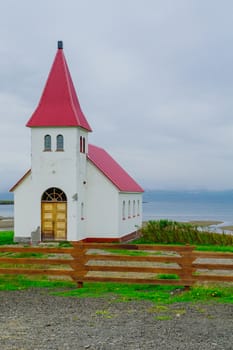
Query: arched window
<point>123,210</point>
<point>129,209</point>
<point>134,208</point>
<point>138,208</point>
<point>82,211</point>
<point>60,143</point>
<point>47,143</point>
<point>54,195</point>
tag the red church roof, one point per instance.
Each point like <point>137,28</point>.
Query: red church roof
<point>59,105</point>
<point>112,170</point>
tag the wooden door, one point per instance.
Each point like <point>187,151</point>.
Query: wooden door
<point>53,220</point>
<point>60,221</point>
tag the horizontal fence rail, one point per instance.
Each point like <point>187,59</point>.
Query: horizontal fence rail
<point>129,263</point>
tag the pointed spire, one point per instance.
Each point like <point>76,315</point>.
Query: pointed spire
<point>59,105</point>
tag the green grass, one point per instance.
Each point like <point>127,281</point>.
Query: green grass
<point>163,317</point>
<point>19,282</point>
<point>6,237</point>
<point>24,255</point>
<point>128,252</point>
<point>207,247</point>
<point>120,292</point>
<point>215,248</point>
<point>167,276</point>
<point>155,293</point>
<point>64,244</point>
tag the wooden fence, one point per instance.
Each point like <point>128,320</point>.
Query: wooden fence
<point>130,263</point>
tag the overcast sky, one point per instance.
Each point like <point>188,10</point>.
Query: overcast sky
<point>154,79</point>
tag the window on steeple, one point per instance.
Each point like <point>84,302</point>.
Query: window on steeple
<point>82,144</point>
<point>60,143</point>
<point>47,143</point>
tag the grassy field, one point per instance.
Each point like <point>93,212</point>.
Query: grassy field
<point>157,293</point>
<point>122,292</point>
<point>20,282</point>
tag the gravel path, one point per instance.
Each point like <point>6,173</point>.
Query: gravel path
<point>36,320</point>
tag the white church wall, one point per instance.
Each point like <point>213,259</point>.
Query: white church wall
<point>130,212</point>
<point>25,212</point>
<point>102,205</point>
<point>59,164</point>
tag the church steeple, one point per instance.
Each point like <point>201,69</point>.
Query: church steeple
<point>59,105</point>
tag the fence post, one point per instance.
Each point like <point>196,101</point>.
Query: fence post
<point>80,284</point>
<point>78,264</point>
<point>187,259</point>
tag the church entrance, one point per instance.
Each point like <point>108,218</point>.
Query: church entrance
<point>53,215</point>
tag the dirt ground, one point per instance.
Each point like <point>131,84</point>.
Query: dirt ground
<point>35,319</point>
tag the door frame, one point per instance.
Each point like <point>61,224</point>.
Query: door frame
<point>53,196</point>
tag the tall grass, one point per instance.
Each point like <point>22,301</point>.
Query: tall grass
<point>167,232</point>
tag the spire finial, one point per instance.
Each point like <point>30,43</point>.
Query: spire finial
<point>60,45</point>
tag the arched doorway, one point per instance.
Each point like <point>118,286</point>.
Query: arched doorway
<point>53,215</point>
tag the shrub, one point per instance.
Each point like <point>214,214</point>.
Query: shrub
<point>166,231</point>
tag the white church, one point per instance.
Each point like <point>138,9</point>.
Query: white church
<point>74,190</point>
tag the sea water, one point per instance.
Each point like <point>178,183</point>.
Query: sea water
<point>7,210</point>
<point>189,206</point>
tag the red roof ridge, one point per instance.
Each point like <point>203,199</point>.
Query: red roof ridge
<point>59,104</point>
<point>112,170</point>
<point>20,180</point>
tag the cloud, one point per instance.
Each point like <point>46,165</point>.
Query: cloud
<point>14,140</point>
<point>154,80</point>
